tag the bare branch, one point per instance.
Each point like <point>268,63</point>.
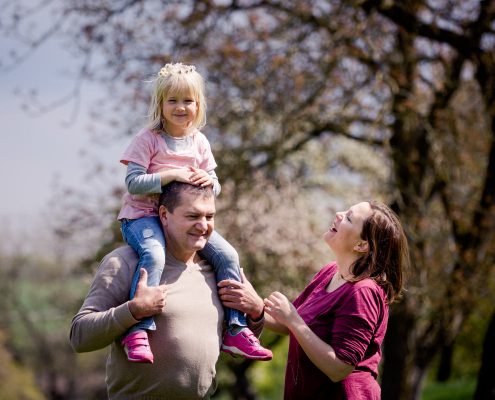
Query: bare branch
<point>466,45</point>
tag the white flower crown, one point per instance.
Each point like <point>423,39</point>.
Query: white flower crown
<point>175,69</point>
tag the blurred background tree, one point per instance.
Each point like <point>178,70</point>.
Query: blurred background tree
<point>312,106</point>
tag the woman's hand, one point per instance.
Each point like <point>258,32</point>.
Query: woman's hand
<point>281,309</point>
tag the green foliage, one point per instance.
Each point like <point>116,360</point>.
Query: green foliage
<point>469,344</point>
<point>17,382</point>
<point>40,297</point>
<point>454,390</point>
<point>268,377</point>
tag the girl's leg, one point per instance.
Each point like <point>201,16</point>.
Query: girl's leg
<point>225,261</point>
<point>238,339</point>
<point>145,236</point>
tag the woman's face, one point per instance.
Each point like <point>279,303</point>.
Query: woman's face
<point>345,231</point>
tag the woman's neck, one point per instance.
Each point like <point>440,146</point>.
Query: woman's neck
<point>344,264</point>
<point>337,281</point>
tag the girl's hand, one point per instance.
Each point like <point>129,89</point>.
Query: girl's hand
<point>199,177</point>
<point>176,174</point>
<point>280,309</point>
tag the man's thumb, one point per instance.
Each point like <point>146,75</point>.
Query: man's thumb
<point>143,277</point>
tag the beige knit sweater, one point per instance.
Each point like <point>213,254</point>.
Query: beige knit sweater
<point>185,345</point>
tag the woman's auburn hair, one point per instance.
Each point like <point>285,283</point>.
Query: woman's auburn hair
<point>387,258</point>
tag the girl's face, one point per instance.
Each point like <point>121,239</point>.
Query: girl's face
<point>345,232</point>
<point>179,111</point>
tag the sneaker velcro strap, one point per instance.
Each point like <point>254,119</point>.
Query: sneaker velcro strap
<point>137,342</point>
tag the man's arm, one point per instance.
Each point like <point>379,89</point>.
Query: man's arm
<point>106,313</point>
<point>243,297</point>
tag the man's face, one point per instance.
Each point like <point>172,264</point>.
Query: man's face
<point>189,227</point>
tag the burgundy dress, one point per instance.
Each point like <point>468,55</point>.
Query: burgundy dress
<point>353,320</point>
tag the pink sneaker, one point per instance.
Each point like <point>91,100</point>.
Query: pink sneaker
<point>245,344</point>
<point>137,347</point>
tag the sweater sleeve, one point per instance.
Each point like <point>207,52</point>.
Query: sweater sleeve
<point>356,324</point>
<point>216,184</point>
<point>105,314</point>
<point>256,326</point>
<point>138,181</point>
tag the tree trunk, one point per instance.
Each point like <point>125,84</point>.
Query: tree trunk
<point>485,389</point>
<point>395,351</point>
<point>445,366</point>
<point>242,388</point>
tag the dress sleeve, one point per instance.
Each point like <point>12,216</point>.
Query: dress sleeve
<point>356,323</point>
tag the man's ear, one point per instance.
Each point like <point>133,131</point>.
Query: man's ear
<point>163,214</point>
<point>361,247</point>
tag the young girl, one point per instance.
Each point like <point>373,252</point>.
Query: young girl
<point>171,148</point>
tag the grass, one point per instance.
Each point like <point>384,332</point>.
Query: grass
<point>452,390</point>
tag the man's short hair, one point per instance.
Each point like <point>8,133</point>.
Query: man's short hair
<point>171,198</point>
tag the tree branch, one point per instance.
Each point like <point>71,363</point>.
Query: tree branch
<point>340,130</point>
<point>464,44</point>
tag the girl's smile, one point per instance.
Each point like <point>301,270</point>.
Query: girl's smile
<point>179,112</point>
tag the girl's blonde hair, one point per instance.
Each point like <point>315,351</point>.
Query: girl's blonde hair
<point>174,79</point>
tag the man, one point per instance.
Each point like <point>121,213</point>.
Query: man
<point>186,308</point>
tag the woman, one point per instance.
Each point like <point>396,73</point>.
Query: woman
<point>338,323</point>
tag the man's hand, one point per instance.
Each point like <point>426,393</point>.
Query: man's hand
<point>147,301</point>
<point>241,296</point>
